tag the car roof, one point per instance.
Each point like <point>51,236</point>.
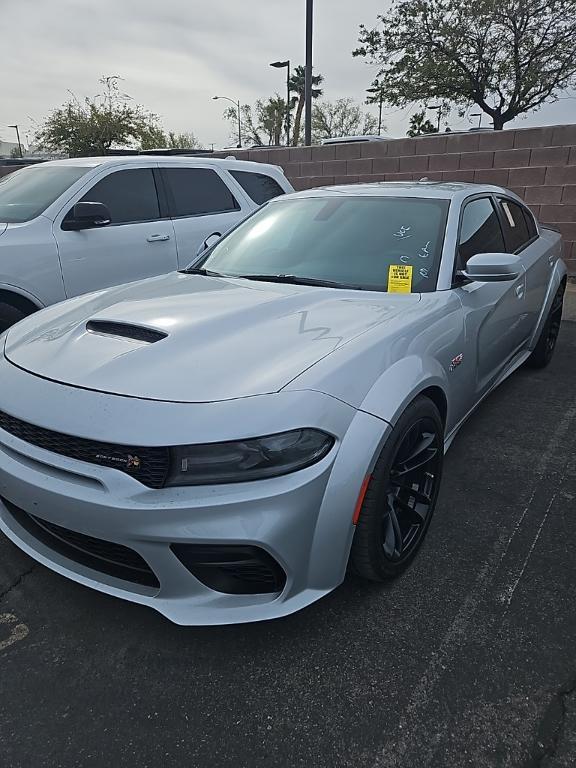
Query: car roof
<point>441,190</point>
<point>351,139</point>
<point>152,160</point>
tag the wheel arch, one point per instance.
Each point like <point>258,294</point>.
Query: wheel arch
<point>405,381</point>
<point>438,397</point>
<point>558,278</point>
<point>19,300</point>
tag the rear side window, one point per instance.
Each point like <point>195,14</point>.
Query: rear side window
<point>480,231</point>
<point>258,186</point>
<point>130,195</point>
<point>197,191</point>
<point>515,226</point>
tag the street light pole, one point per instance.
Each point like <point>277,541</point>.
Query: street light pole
<point>18,137</point>
<point>376,92</point>
<point>281,65</point>
<point>308,82</point>
<point>237,105</point>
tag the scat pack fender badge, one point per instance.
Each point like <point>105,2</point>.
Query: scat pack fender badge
<point>456,361</point>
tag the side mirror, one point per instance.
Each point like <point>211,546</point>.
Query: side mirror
<point>209,242</point>
<point>492,267</point>
<point>87,216</point>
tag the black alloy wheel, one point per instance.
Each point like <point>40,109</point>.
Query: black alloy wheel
<point>401,495</point>
<point>544,349</point>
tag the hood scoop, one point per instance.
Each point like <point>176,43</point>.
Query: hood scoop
<point>125,331</point>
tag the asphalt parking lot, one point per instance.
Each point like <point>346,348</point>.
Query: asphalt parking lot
<point>468,660</point>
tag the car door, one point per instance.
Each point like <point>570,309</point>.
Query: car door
<point>494,312</point>
<point>200,203</point>
<point>521,237</point>
<point>139,242</point>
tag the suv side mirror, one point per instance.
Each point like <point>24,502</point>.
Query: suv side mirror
<point>209,242</point>
<point>87,216</point>
<point>492,267</point>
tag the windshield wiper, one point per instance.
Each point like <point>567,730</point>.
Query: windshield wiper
<point>288,279</point>
<point>202,271</point>
<point>296,280</point>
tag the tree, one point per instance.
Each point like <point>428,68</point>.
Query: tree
<point>342,117</point>
<point>157,138</point>
<point>506,56</point>
<point>263,124</point>
<point>94,125</point>
<point>298,86</point>
<point>419,125</point>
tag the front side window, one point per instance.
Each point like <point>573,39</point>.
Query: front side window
<point>347,240</point>
<point>27,193</point>
<point>258,186</point>
<point>515,227</point>
<point>480,231</point>
<point>197,191</point>
<point>130,195</point>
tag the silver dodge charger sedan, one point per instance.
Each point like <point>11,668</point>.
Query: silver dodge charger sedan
<point>223,444</point>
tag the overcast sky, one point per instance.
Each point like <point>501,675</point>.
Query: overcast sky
<point>174,55</point>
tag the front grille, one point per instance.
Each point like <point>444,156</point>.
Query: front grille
<point>99,555</point>
<point>126,330</point>
<point>147,465</point>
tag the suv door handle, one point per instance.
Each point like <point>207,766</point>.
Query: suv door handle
<point>157,238</point>
<point>520,291</point>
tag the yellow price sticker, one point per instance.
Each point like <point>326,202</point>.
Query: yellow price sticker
<point>400,278</point>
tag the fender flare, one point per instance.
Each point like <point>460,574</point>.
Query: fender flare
<point>400,384</point>
<point>559,275</point>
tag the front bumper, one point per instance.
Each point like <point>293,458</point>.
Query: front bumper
<point>302,520</point>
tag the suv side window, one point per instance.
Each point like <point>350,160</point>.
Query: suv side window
<point>480,231</point>
<point>514,224</point>
<point>197,191</point>
<point>258,186</point>
<point>130,195</point>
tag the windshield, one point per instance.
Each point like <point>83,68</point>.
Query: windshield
<point>375,243</point>
<point>27,193</point>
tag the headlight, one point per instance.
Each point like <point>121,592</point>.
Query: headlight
<point>243,460</point>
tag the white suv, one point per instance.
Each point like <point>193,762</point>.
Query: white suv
<point>72,226</point>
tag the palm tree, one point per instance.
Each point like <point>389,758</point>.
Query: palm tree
<point>419,125</point>
<point>298,86</point>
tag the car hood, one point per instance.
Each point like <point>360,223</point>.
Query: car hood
<point>224,338</point>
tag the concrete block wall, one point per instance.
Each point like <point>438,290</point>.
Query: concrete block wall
<point>539,164</point>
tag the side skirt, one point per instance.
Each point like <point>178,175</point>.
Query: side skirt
<point>516,362</point>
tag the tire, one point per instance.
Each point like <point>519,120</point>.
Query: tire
<point>544,349</point>
<point>9,315</point>
<point>394,518</point>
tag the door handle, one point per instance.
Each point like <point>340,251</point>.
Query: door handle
<point>520,291</point>
<point>157,238</point>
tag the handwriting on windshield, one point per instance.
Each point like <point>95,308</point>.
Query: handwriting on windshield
<point>403,233</point>
<point>424,252</point>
